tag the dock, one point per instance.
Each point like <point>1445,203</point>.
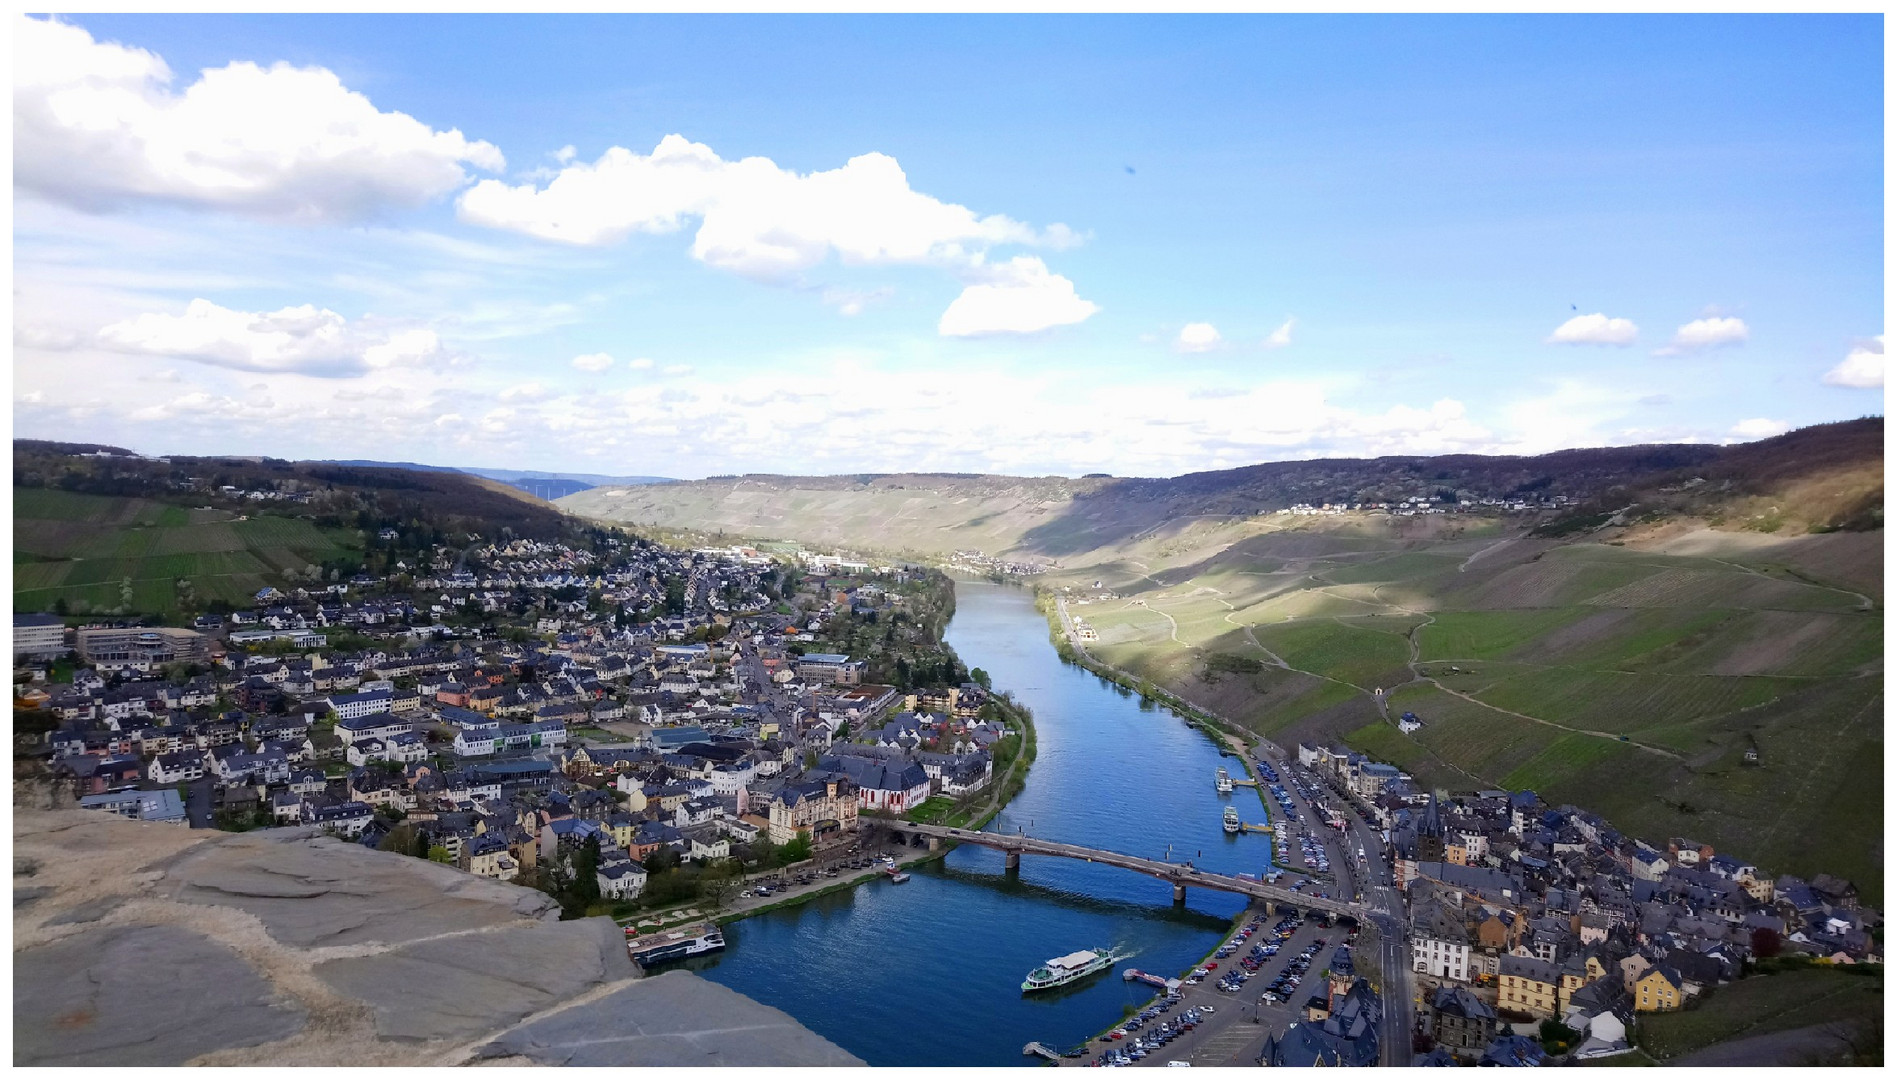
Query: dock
<point>1150,979</point>
<point>1035,1048</point>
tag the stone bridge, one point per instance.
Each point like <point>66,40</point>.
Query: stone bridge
<point>1179,874</point>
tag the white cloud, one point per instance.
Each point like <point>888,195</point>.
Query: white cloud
<point>771,224</point>
<point>594,362</point>
<point>1197,337</point>
<point>1760,428</point>
<point>851,302</point>
<point>1707,333</point>
<point>639,363</point>
<point>1019,296</point>
<point>1595,329</point>
<point>302,340</point>
<point>96,124</point>
<point>1281,337</point>
<point>677,369</point>
<point>528,391</point>
<point>1862,368</point>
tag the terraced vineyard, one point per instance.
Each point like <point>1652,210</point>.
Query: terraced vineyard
<point>100,554</point>
<point>1629,681</point>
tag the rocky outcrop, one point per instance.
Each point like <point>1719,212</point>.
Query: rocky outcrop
<point>150,944</point>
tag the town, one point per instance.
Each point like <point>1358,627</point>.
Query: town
<point>624,725</point>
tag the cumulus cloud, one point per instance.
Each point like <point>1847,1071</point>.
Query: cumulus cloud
<point>1759,428</point>
<point>97,124</point>
<point>303,340</point>
<point>1197,337</point>
<point>594,362</point>
<point>639,363</point>
<point>1862,368</point>
<point>1280,337</point>
<point>771,224</point>
<point>1707,333</point>
<point>1020,296</point>
<point>1595,329</point>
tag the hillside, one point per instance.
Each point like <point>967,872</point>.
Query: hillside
<point>1818,478</point>
<point>1623,652</point>
<point>99,530</point>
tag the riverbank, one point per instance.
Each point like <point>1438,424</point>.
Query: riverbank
<point>976,813</point>
<point>1226,734</point>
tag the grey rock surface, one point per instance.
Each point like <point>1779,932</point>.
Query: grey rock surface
<point>114,997</point>
<point>470,984</point>
<point>139,943</point>
<point>671,1019</point>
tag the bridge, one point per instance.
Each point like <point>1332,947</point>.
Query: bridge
<point>1179,874</point>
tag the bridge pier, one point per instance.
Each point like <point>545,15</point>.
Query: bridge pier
<point>1013,861</point>
<point>1179,893</point>
<point>935,843</point>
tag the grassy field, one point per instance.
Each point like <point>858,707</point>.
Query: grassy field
<point>1762,1004</point>
<point>100,554</point>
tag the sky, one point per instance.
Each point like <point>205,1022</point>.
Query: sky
<point>1145,246</point>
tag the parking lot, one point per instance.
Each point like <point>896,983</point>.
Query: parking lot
<point>1211,1025</point>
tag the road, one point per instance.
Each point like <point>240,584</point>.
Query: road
<point>1375,882</point>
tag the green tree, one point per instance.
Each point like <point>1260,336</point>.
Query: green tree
<point>798,849</point>
<point>439,854</point>
<point>981,679</point>
<point>661,860</point>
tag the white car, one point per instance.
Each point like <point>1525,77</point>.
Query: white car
<point>1179,1064</point>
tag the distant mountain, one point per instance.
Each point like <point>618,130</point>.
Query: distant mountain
<point>1815,479</point>
<point>541,485</point>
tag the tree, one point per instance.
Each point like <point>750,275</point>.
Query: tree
<point>1765,942</point>
<point>718,886</point>
<point>798,849</point>
<point>662,859</point>
<point>439,854</point>
<point>981,679</point>
<point>586,872</point>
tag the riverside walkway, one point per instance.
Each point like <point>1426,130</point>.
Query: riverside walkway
<point>1179,874</point>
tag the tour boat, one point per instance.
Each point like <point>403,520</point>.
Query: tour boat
<point>676,944</point>
<point>1224,782</point>
<point>1231,819</point>
<point>1065,969</point>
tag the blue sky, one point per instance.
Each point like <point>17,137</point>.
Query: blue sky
<point>1054,245</point>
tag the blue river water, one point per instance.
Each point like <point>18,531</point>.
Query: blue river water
<point>928,972</point>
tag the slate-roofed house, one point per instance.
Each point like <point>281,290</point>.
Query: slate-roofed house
<point>1528,985</point>
<point>1462,1021</point>
<point>1347,1037</point>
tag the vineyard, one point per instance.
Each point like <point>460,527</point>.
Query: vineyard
<point>102,554</point>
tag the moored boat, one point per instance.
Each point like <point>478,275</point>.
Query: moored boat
<point>1065,969</point>
<point>1231,819</point>
<point>675,944</point>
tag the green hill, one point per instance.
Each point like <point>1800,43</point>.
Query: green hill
<point>88,554</point>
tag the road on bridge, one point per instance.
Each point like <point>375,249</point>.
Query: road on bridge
<point>1179,874</point>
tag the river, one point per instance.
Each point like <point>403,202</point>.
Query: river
<point>929,972</point>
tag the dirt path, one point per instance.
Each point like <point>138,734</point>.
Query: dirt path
<point>1504,542</point>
